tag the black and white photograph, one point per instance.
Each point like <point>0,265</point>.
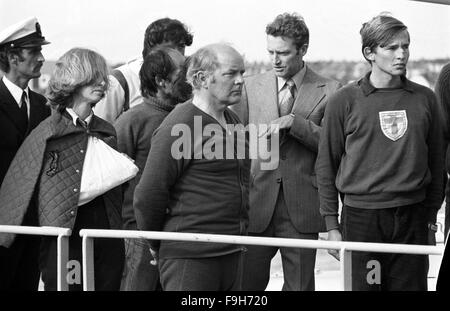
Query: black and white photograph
<point>211,146</point>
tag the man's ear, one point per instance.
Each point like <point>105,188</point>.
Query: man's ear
<point>369,54</point>
<point>202,79</point>
<point>13,58</point>
<point>304,49</point>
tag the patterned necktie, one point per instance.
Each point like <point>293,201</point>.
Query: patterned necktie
<point>23,107</point>
<point>82,123</point>
<point>287,99</point>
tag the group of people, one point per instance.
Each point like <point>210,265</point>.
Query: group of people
<point>376,144</point>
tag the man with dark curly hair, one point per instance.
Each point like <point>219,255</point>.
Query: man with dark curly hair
<point>284,201</point>
<point>163,86</point>
<point>125,91</point>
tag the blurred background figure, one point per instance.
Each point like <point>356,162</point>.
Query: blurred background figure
<point>443,94</point>
<point>163,85</point>
<point>50,185</point>
<point>21,110</point>
<point>124,91</point>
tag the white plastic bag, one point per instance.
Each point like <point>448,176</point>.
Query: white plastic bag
<point>104,168</point>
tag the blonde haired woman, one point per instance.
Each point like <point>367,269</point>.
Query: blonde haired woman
<point>45,176</point>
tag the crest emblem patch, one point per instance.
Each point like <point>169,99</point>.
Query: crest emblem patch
<point>393,123</point>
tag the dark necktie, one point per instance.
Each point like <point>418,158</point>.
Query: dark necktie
<point>23,107</point>
<point>82,123</point>
<point>287,100</point>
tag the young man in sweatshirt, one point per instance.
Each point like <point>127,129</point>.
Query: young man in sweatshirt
<point>381,151</point>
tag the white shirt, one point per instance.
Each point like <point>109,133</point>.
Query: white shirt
<point>17,92</point>
<point>75,116</point>
<point>111,106</point>
<point>297,78</point>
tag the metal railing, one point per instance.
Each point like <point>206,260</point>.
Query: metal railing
<point>345,248</point>
<point>62,235</point>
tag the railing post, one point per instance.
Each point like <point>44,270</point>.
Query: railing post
<point>346,268</point>
<point>88,263</point>
<point>62,259</point>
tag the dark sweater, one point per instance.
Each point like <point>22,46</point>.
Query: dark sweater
<point>190,194</point>
<point>381,148</point>
<point>134,130</point>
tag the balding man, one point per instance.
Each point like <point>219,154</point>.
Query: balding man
<point>192,184</point>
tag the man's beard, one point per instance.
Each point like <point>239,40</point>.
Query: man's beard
<point>182,91</point>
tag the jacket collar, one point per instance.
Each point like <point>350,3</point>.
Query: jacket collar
<point>75,117</point>
<point>297,78</point>
<point>15,91</point>
<point>63,125</point>
<point>159,104</point>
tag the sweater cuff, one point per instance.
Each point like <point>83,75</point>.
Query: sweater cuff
<point>331,222</point>
<point>432,215</point>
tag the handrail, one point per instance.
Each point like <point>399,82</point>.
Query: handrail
<point>30,230</point>
<point>344,247</point>
<point>62,235</point>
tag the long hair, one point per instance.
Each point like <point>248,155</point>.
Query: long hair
<point>78,67</point>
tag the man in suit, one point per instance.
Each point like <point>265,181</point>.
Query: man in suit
<point>21,110</point>
<point>284,201</point>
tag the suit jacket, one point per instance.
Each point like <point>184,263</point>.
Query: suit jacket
<point>297,153</point>
<point>13,126</point>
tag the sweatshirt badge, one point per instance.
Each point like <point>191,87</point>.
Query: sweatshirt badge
<point>393,123</point>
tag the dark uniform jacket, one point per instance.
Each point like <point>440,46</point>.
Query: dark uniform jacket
<point>47,172</point>
<point>13,126</point>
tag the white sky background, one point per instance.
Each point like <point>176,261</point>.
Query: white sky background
<point>115,28</point>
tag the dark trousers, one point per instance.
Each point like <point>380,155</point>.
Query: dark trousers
<point>443,281</point>
<point>220,273</point>
<point>138,273</point>
<point>298,264</point>
<point>19,268</point>
<point>447,220</point>
<point>108,253</point>
<point>385,271</point>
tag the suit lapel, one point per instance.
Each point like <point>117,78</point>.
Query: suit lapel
<point>37,114</point>
<point>309,95</point>
<point>267,99</point>
<point>10,108</point>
